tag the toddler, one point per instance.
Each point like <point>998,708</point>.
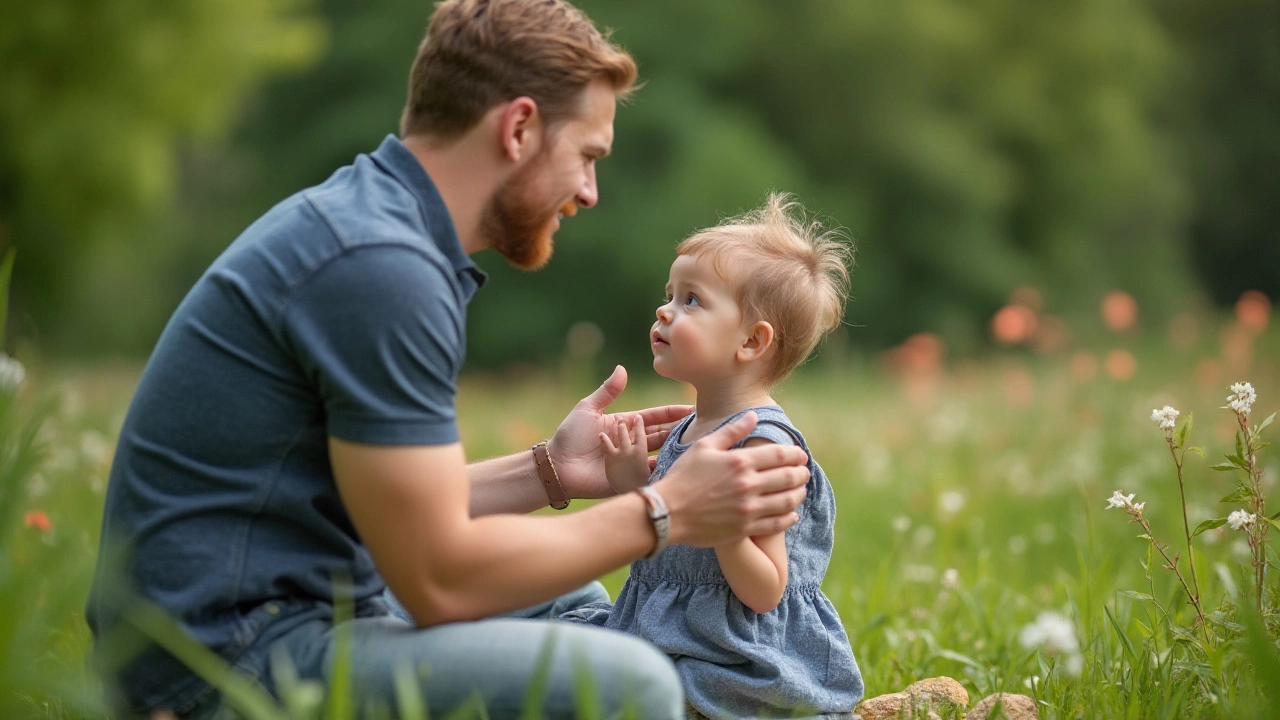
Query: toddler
<point>747,624</point>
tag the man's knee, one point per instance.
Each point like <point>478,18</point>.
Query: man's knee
<point>637,674</point>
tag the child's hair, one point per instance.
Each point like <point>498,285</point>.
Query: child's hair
<point>795,275</point>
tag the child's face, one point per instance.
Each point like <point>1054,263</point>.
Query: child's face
<point>699,328</point>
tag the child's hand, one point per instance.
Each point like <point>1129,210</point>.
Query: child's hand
<point>626,455</point>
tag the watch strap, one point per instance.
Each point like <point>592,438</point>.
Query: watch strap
<point>550,480</point>
<point>659,516</point>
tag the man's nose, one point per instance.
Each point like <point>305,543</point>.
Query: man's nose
<point>589,195</point>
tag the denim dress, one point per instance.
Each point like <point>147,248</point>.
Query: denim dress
<point>732,661</point>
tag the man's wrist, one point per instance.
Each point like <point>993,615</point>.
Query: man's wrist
<point>547,475</point>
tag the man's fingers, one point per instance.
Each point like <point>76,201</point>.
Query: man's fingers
<point>609,390</point>
<point>767,457</point>
<point>655,438</point>
<point>780,503</point>
<point>772,525</point>
<point>732,433</point>
<point>666,415</point>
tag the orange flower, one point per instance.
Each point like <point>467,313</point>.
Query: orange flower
<point>1253,310</point>
<point>1119,311</point>
<point>1013,324</point>
<point>37,519</point>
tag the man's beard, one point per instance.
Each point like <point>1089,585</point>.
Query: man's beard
<point>517,224</point>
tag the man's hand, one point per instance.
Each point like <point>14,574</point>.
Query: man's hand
<point>576,449</point>
<point>716,495</point>
<point>626,457</point>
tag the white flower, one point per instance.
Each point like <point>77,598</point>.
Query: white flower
<point>1165,417</point>
<point>1119,500</point>
<point>11,373</point>
<point>1241,398</point>
<point>901,523</point>
<point>1240,519</point>
<point>950,578</point>
<point>951,502</point>
<point>1054,634</point>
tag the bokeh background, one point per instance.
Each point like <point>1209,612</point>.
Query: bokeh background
<point>971,149</point>
<point>1065,214</point>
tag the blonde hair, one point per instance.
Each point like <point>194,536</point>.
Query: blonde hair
<point>479,53</point>
<point>790,271</point>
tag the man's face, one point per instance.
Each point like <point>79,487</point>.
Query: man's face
<point>523,215</point>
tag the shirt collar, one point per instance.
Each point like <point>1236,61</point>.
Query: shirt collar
<point>397,160</point>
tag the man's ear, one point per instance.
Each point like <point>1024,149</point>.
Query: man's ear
<point>520,127</point>
<point>758,343</point>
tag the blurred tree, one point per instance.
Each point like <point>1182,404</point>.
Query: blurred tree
<point>95,100</point>
<point>971,148</point>
<point>1227,111</point>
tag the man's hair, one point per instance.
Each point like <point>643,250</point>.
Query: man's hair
<point>785,269</point>
<point>480,53</point>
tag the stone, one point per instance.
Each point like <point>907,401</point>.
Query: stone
<point>1013,707</point>
<point>920,698</point>
<point>939,691</point>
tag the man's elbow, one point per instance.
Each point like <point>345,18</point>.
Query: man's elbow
<point>437,605</point>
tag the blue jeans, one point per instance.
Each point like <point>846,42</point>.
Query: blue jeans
<point>491,662</point>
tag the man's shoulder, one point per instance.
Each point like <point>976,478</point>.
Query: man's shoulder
<point>362,204</point>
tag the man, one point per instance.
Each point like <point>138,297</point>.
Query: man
<point>294,433</point>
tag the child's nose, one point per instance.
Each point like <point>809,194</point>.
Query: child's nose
<point>664,313</point>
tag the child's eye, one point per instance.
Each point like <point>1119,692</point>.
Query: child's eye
<point>692,300</point>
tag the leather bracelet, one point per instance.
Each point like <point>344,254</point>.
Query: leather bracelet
<point>659,516</point>
<point>550,480</point>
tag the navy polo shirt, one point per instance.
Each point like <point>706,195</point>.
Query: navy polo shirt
<point>340,312</point>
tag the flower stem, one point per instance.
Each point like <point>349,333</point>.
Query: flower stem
<point>1186,526</point>
<point>1173,565</point>
<point>1259,540</point>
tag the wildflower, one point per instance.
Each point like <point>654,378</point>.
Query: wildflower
<point>950,578</point>
<point>37,519</point>
<point>1166,418</point>
<point>1241,399</point>
<point>11,373</point>
<point>1054,634</point>
<point>951,502</point>
<point>1239,519</point>
<point>1119,500</point>
<point>901,523</point>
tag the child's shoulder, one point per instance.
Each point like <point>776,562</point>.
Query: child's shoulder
<point>774,425</point>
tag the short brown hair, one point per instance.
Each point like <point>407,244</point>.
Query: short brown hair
<point>786,269</point>
<point>479,53</point>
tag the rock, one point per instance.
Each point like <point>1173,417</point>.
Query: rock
<point>1013,707</point>
<point>881,707</point>
<point>918,700</point>
<point>938,691</point>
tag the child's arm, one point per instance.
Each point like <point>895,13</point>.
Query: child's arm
<point>626,456</point>
<point>756,567</point>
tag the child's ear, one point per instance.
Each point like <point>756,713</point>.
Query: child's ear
<point>758,343</point>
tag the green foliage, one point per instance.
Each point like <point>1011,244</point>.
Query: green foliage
<point>970,149</point>
<point>98,99</point>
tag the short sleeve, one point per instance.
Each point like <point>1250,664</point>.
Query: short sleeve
<point>772,432</point>
<point>379,330</point>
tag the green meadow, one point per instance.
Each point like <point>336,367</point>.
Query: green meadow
<point>972,501</point>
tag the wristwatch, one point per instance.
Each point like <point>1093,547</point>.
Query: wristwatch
<point>659,516</point>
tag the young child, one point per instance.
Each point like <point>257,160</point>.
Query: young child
<point>747,624</point>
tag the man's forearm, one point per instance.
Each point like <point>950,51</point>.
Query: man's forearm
<point>501,563</point>
<point>506,484</point>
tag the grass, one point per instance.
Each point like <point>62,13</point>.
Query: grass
<point>971,500</point>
